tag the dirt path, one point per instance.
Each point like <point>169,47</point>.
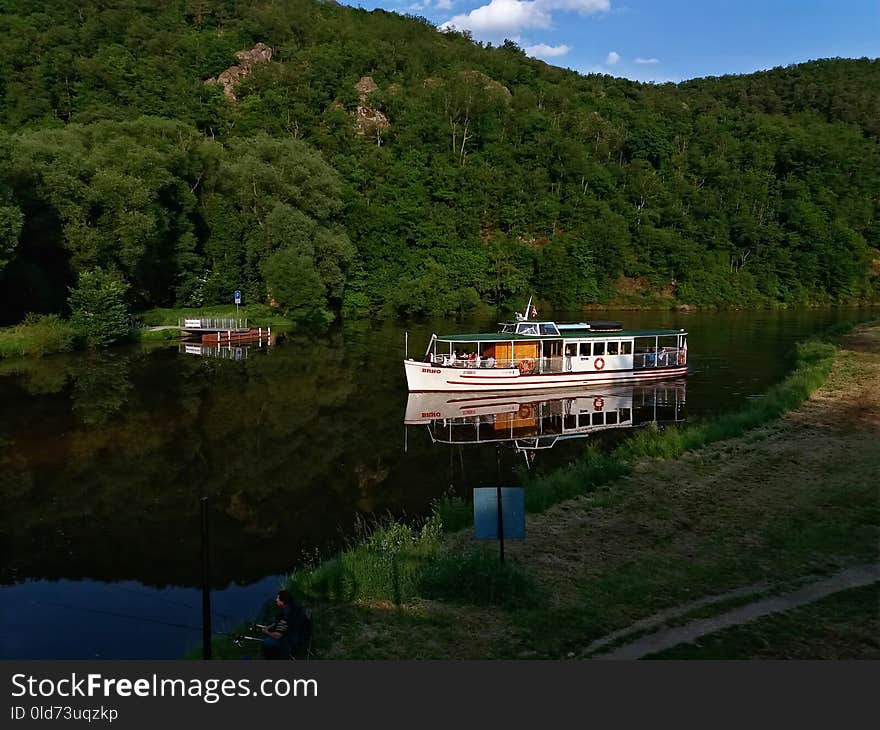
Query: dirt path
<point>659,641</point>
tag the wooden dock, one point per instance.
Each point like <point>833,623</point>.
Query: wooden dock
<point>223,331</point>
<point>236,337</point>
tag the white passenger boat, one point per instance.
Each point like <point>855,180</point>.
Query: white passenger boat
<point>530,354</point>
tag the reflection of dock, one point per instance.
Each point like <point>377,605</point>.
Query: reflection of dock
<point>221,352</point>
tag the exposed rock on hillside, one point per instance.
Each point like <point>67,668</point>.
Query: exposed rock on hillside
<point>228,79</point>
<point>369,122</point>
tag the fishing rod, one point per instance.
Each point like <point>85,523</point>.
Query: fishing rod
<point>147,619</point>
<point>169,601</point>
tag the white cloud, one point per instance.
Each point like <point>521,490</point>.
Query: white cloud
<point>510,16</point>
<point>542,50</point>
<point>647,60</point>
<point>500,16</point>
<point>443,4</point>
<point>612,58</point>
<point>584,7</point>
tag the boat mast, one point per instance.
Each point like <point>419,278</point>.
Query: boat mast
<point>528,309</point>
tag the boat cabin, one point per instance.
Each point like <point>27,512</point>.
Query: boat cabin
<point>536,347</point>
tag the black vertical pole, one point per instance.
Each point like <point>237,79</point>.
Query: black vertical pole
<point>206,584</point>
<point>500,513</point>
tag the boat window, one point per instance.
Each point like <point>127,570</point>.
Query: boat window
<point>585,349</point>
<point>598,348</point>
<point>611,417</point>
<point>624,415</point>
<point>507,328</point>
<point>549,328</point>
<point>612,348</point>
<point>626,348</point>
<point>570,422</point>
<point>597,419</point>
<point>527,329</point>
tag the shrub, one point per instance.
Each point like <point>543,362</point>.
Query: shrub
<point>98,305</point>
<point>37,335</point>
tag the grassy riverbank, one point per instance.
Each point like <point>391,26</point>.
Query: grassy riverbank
<point>257,315</point>
<point>769,495</point>
<point>44,335</point>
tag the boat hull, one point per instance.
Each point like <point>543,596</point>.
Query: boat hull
<point>424,377</point>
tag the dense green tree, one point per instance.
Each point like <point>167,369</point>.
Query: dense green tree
<point>98,307</point>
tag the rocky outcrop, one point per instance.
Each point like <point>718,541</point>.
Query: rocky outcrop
<point>229,79</point>
<point>369,122</point>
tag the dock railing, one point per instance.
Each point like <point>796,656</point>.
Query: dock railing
<point>212,323</point>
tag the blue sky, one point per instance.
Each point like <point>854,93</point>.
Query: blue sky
<point>662,40</point>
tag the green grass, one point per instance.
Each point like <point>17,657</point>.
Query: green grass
<point>257,315</point>
<point>845,625</point>
<point>454,513</point>
<point>145,335</point>
<point>38,335</point>
<point>386,563</point>
<point>475,576</point>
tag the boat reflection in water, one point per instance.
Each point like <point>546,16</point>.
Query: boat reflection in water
<point>536,421</point>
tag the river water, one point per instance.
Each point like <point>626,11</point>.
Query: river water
<point>104,458</point>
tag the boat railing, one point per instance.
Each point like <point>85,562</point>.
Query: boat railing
<point>526,365</point>
<point>523,364</point>
<point>663,359</point>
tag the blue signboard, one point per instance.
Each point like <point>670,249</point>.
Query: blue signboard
<point>513,513</point>
<point>237,296</point>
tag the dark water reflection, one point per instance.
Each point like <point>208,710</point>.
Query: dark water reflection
<point>105,456</point>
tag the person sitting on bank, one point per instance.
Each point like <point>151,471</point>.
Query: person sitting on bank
<point>286,634</point>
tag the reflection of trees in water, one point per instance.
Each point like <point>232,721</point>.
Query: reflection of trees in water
<point>270,440</point>
<point>101,386</point>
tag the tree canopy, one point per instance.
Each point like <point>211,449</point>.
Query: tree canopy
<point>463,172</point>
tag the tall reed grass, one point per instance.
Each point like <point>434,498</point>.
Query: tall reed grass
<point>37,335</point>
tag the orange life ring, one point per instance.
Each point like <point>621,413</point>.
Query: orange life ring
<point>525,411</point>
<point>599,363</point>
<point>598,404</point>
<point>523,366</point>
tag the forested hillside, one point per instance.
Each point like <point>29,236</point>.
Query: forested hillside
<point>373,163</point>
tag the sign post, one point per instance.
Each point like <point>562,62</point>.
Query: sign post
<point>237,297</point>
<point>206,584</point>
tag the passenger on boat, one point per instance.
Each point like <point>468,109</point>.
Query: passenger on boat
<point>651,356</point>
<point>490,362</point>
